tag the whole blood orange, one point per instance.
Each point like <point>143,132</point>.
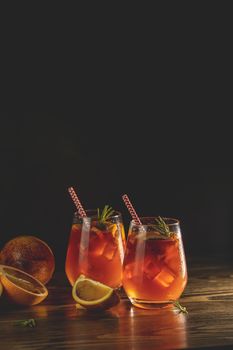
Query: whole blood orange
<point>30,254</point>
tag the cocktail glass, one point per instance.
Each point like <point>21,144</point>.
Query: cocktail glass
<point>154,269</point>
<point>96,249</point>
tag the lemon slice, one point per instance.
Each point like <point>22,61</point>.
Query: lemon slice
<point>92,294</point>
<point>20,287</point>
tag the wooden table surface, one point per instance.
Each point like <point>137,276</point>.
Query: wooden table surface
<point>60,325</point>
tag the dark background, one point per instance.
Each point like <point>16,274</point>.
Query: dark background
<point>168,167</point>
<point>151,119</point>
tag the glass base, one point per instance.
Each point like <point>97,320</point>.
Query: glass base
<point>150,304</point>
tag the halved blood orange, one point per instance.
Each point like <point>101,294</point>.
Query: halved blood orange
<point>20,287</point>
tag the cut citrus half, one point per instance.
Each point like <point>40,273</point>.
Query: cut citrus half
<point>20,287</point>
<point>92,294</point>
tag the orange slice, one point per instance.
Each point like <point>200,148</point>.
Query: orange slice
<point>92,294</point>
<point>20,287</point>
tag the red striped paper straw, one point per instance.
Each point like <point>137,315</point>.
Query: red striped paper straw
<point>131,209</point>
<point>77,202</point>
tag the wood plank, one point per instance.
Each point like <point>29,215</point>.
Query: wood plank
<point>60,325</point>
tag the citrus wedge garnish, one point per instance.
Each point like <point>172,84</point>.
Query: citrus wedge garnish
<point>20,287</point>
<point>92,294</point>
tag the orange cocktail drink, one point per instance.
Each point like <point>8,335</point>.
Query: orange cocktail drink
<point>154,270</point>
<point>96,249</point>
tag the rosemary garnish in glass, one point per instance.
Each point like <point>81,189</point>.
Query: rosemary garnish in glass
<point>104,215</point>
<point>162,227</point>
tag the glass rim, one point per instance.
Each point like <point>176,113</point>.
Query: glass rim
<point>173,222</point>
<point>116,214</point>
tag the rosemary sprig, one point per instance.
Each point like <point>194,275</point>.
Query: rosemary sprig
<point>105,214</point>
<point>162,227</point>
<point>27,323</point>
<point>181,308</point>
